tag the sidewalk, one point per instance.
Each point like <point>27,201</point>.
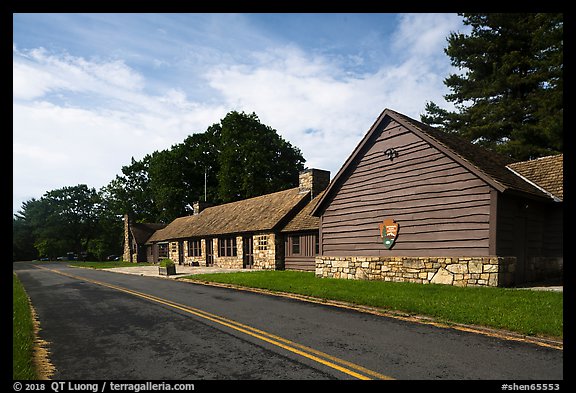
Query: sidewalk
<point>181,270</point>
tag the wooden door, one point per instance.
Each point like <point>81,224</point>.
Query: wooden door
<point>209,252</point>
<point>248,252</point>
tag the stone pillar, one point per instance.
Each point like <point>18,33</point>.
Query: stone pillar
<point>127,254</point>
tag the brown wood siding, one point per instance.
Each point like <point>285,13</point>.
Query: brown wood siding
<point>442,208</point>
<point>305,259</point>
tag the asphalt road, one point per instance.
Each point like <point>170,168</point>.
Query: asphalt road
<point>104,325</point>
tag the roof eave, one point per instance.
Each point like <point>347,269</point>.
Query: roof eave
<point>549,194</point>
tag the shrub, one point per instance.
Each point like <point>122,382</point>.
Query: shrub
<point>165,262</point>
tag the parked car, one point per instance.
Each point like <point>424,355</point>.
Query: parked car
<point>113,258</point>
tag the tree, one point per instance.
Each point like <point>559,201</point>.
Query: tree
<point>508,97</point>
<point>240,157</point>
<point>177,175</point>
<point>130,192</point>
<point>22,240</point>
<point>63,220</point>
<point>254,160</point>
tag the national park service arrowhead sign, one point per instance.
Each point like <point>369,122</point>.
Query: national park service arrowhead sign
<point>388,232</point>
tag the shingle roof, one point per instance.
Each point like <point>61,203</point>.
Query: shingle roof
<point>263,213</point>
<point>304,220</point>
<point>546,172</point>
<point>143,231</point>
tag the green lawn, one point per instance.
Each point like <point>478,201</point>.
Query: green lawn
<point>22,334</point>
<point>535,313</point>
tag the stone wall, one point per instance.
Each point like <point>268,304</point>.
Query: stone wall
<point>268,251</point>
<point>229,262</point>
<point>459,271</point>
<point>264,251</point>
<point>173,251</point>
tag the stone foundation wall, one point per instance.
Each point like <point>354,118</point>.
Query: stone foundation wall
<point>459,271</point>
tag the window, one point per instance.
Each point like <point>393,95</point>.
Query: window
<point>227,247</point>
<point>316,244</point>
<point>295,244</point>
<point>163,250</point>
<point>194,248</point>
<point>261,242</point>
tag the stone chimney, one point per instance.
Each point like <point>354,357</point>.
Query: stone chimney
<point>198,206</point>
<point>313,180</point>
<point>127,253</point>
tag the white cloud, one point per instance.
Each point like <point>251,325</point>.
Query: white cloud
<point>319,108</point>
<point>425,34</point>
<point>38,73</point>
<point>79,120</point>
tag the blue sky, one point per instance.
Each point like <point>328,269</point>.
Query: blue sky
<point>91,91</point>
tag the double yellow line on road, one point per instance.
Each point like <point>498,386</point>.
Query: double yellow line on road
<point>341,365</point>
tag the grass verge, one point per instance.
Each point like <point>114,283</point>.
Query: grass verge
<point>532,313</point>
<point>23,366</point>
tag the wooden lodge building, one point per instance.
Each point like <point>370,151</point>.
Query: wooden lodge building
<point>411,203</point>
<point>266,232</point>
<point>415,204</point>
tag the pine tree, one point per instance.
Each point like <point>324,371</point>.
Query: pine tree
<point>508,96</point>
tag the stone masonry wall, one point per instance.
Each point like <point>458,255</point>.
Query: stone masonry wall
<point>229,262</point>
<point>459,271</point>
<point>264,250</point>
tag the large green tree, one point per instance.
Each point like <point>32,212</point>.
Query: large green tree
<point>508,93</point>
<point>177,175</point>
<point>236,158</point>
<point>254,160</point>
<point>129,193</point>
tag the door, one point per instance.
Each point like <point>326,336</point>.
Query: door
<point>248,252</point>
<point>180,252</point>
<point>520,249</point>
<point>209,252</point>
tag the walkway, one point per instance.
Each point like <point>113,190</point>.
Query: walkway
<point>181,270</point>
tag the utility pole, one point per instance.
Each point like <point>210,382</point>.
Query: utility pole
<point>205,181</point>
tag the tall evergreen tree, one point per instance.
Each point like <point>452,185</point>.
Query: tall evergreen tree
<point>508,96</point>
